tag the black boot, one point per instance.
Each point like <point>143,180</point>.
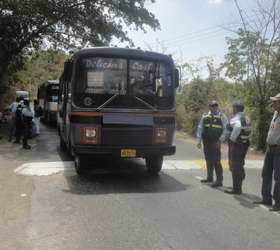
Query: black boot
<point>237,182</point>
<point>209,173</point>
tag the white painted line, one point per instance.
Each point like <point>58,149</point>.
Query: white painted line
<point>254,164</point>
<point>182,165</point>
<point>44,168</point>
<point>48,168</point>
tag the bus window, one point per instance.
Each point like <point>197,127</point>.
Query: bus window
<point>101,76</point>
<point>99,79</point>
<point>150,78</point>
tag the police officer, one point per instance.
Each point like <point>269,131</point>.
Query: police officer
<point>27,115</point>
<point>212,129</point>
<point>19,124</point>
<point>239,140</point>
<point>13,119</point>
<point>271,166</point>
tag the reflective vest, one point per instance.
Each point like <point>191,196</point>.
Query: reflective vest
<point>212,125</point>
<point>26,118</point>
<point>246,128</point>
<point>18,112</point>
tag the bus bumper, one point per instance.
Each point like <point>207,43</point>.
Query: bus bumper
<point>116,151</point>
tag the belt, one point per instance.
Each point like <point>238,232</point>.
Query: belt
<point>273,146</point>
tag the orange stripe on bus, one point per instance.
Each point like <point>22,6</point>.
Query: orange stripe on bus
<point>100,114</point>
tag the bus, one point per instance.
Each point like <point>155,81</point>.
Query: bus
<point>25,94</point>
<point>48,97</point>
<point>117,102</point>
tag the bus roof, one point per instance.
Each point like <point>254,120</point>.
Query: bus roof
<point>49,82</point>
<point>124,52</point>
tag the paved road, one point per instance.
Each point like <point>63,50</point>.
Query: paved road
<point>119,205</point>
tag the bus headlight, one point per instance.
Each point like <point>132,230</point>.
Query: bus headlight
<point>90,136</point>
<point>90,132</point>
<point>161,135</point>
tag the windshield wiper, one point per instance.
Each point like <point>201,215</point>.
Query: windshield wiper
<point>146,104</point>
<point>108,101</point>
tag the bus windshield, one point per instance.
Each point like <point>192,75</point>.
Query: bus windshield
<point>122,83</point>
<point>52,92</point>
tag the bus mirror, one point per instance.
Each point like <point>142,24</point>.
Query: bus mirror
<point>177,78</point>
<point>68,70</point>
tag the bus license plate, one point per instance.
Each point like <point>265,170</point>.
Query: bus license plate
<point>128,153</point>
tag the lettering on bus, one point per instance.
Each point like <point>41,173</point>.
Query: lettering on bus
<point>147,66</point>
<point>104,63</point>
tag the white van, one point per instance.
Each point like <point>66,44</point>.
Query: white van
<point>25,94</point>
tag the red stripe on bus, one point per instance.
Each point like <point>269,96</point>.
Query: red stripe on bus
<point>100,114</point>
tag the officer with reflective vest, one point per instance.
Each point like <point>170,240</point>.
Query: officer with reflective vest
<point>240,135</point>
<point>212,129</point>
<point>27,115</point>
<point>19,123</point>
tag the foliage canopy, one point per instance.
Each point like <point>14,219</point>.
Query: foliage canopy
<point>34,24</point>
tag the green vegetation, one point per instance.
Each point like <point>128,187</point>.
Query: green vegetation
<point>30,25</point>
<point>251,67</point>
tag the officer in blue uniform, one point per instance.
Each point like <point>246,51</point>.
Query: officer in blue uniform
<point>212,129</point>
<point>27,115</point>
<point>240,132</point>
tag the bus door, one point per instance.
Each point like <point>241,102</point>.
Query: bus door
<point>67,100</point>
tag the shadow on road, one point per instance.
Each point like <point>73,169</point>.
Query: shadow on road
<point>120,176</point>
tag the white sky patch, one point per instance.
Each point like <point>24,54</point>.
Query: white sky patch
<point>215,2</point>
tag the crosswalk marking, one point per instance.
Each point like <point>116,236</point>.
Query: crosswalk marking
<point>48,168</point>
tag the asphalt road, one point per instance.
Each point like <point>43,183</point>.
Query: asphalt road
<point>119,205</point>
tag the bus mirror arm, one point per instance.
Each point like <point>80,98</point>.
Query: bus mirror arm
<point>177,78</point>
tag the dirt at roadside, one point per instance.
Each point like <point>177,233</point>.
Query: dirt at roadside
<point>15,191</point>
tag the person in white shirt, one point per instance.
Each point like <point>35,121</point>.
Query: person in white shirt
<point>13,120</point>
<point>272,161</point>
<point>27,115</point>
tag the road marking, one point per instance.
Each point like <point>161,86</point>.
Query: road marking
<point>248,163</point>
<point>48,168</point>
<point>44,168</point>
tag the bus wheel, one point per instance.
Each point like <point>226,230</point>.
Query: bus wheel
<point>63,146</point>
<point>154,163</point>
<point>80,165</point>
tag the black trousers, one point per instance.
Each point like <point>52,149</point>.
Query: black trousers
<point>19,128</point>
<point>26,132</point>
<point>213,158</point>
<point>236,154</point>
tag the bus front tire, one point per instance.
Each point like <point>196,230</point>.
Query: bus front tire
<point>154,163</point>
<point>80,165</point>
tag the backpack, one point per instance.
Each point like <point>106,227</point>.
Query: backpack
<point>40,112</point>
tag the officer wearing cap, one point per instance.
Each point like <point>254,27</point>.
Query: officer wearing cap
<point>240,135</point>
<point>272,161</point>
<point>27,115</point>
<point>212,129</point>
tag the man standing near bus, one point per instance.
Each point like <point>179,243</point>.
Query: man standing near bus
<point>27,115</point>
<point>212,129</point>
<point>13,119</point>
<point>38,112</point>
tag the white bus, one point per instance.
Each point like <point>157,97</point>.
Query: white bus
<point>48,97</point>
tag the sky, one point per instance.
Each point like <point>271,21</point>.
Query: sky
<point>191,28</point>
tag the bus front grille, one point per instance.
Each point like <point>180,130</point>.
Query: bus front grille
<point>126,136</point>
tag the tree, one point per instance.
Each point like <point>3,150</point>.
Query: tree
<point>34,24</point>
<point>40,67</point>
<point>252,60</point>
